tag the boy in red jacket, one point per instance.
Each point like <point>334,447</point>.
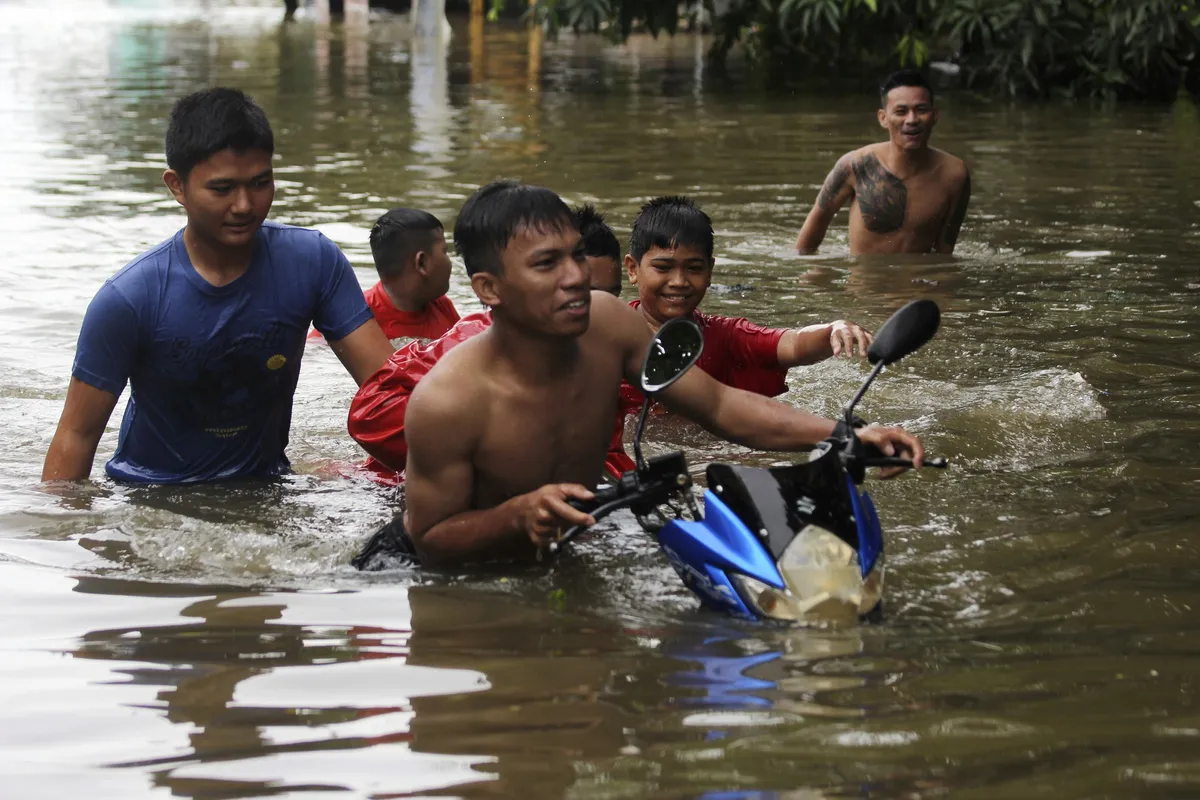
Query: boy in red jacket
<point>377,412</point>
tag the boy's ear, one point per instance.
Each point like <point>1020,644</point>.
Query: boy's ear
<point>631,268</point>
<point>174,184</point>
<point>486,288</point>
<point>881,115</point>
<point>421,263</point>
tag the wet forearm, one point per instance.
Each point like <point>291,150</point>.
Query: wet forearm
<point>474,536</point>
<point>811,234</point>
<point>70,456</point>
<point>807,345</point>
<point>762,423</point>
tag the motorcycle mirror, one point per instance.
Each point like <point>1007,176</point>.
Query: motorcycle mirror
<point>905,332</point>
<point>675,348</point>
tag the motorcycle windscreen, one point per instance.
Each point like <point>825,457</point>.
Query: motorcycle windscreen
<point>870,535</point>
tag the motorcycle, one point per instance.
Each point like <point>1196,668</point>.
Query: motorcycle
<point>800,543</point>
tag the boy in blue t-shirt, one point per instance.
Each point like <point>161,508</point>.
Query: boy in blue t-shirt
<point>208,328</point>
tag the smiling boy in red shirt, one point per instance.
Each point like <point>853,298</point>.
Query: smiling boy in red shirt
<point>670,261</point>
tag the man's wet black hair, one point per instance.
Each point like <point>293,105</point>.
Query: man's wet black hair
<point>904,77</point>
<point>398,235</point>
<point>597,238</point>
<point>492,216</point>
<point>213,120</point>
<point>670,222</point>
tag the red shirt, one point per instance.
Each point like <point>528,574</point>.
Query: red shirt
<point>736,352</point>
<point>376,419</point>
<point>428,323</point>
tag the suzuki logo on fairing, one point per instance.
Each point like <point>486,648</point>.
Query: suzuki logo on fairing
<point>806,505</point>
<point>700,581</point>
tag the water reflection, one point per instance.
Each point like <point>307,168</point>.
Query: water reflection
<point>433,119</point>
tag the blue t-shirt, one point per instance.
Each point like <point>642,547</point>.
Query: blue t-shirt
<point>212,369</point>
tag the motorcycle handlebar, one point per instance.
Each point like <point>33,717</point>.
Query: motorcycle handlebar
<point>938,462</point>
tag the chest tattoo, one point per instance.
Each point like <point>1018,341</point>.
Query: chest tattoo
<point>882,197</point>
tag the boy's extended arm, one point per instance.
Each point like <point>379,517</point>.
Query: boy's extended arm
<point>73,448</point>
<point>813,343</point>
<point>837,189</point>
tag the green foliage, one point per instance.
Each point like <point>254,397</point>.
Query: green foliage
<point>1123,48</point>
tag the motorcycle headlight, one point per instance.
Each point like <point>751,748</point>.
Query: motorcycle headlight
<point>824,582</point>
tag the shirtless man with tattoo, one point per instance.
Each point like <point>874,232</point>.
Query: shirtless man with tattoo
<point>905,196</point>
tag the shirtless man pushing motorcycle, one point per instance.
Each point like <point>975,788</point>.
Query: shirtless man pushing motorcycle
<point>512,424</point>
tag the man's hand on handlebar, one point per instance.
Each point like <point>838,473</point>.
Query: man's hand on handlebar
<point>893,442</point>
<point>545,512</point>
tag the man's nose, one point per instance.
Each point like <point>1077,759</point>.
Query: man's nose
<point>577,274</point>
<point>241,201</point>
<point>677,277</point>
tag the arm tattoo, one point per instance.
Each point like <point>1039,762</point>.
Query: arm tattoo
<point>960,213</point>
<point>882,197</point>
<point>827,199</point>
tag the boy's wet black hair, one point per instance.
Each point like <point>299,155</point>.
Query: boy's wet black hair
<point>492,216</point>
<point>398,235</point>
<point>213,120</point>
<point>597,238</point>
<point>903,77</point>
<point>670,222</point>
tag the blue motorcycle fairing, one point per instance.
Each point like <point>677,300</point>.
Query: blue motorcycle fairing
<point>704,552</point>
<point>870,535</point>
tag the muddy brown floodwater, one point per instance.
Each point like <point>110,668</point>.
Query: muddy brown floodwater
<point>1041,634</point>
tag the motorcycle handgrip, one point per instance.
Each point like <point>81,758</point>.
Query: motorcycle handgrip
<point>607,500</point>
<point>602,496</point>
<point>938,462</point>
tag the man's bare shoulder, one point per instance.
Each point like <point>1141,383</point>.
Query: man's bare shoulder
<point>950,165</point>
<point>852,157</point>
<point>452,391</point>
<point>618,328</point>
<point>613,318</point>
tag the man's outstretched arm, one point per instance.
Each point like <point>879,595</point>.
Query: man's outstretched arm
<point>836,190</point>
<point>763,423</point>
<point>441,483</point>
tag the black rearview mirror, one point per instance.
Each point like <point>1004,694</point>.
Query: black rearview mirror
<point>905,332</point>
<point>675,348</point>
